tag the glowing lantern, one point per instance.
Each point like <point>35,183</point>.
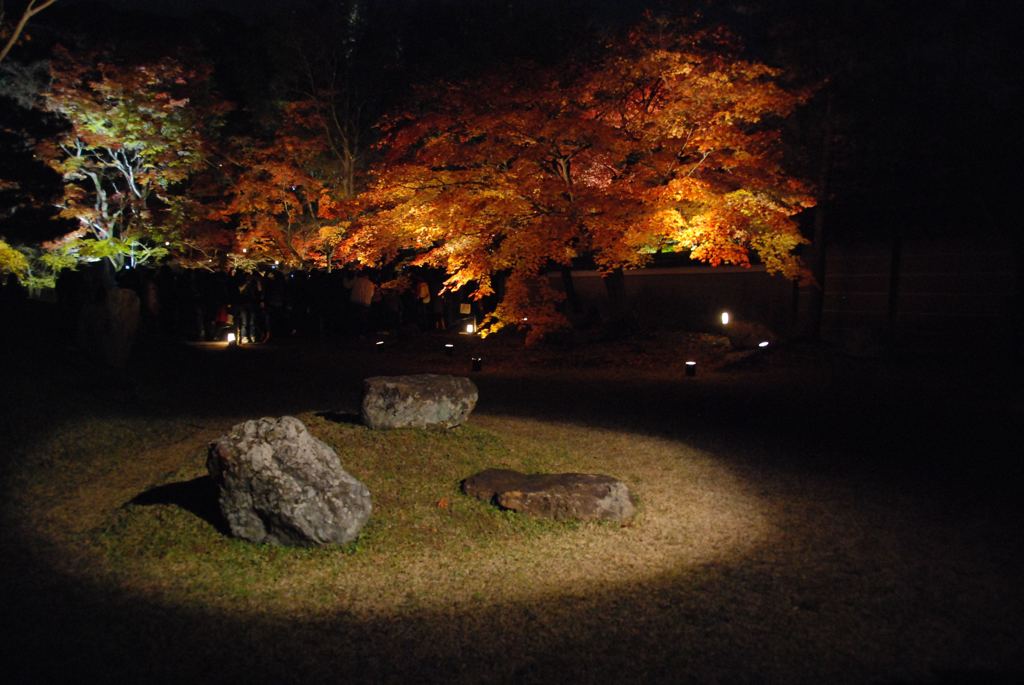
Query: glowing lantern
<point>691,368</point>
<point>725,318</point>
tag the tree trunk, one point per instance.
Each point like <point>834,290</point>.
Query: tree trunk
<point>1018,299</point>
<point>618,310</point>
<point>571,298</point>
<point>816,293</point>
<point>892,312</point>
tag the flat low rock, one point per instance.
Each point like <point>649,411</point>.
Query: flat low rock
<point>280,485</point>
<point>579,496</point>
<point>419,401</point>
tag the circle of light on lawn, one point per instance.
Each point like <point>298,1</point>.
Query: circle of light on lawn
<point>693,511</point>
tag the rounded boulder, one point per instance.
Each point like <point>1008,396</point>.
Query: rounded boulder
<point>278,484</point>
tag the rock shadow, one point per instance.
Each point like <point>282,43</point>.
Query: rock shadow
<point>353,418</point>
<point>197,496</point>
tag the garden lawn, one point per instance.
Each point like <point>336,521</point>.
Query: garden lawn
<point>781,535</point>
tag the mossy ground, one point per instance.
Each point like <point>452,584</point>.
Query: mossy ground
<point>782,534</point>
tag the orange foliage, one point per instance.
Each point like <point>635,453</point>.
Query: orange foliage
<point>281,196</point>
<point>669,142</point>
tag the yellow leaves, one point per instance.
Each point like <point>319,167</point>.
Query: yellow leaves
<point>12,261</point>
<point>333,234</point>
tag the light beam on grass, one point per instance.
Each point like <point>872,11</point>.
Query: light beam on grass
<point>693,511</point>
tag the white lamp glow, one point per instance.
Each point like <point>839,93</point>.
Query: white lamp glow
<point>231,338</point>
<point>763,343</point>
<point>725,318</point>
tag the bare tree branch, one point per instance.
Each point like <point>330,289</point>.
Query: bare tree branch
<point>31,10</point>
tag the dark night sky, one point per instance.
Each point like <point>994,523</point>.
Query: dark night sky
<point>186,7</point>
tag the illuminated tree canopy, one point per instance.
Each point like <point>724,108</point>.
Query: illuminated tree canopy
<point>276,190</point>
<point>135,134</point>
<point>668,142</point>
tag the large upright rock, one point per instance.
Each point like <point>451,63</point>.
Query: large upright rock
<point>579,496</point>
<point>421,401</point>
<point>106,328</point>
<point>280,485</point>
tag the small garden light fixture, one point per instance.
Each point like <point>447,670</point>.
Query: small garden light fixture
<point>691,369</point>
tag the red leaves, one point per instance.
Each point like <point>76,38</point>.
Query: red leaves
<point>659,146</point>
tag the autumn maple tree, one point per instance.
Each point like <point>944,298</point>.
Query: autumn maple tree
<point>670,141</point>
<point>294,187</point>
<point>135,134</point>
<point>12,261</point>
<point>279,191</point>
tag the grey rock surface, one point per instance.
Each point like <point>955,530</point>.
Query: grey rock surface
<point>278,484</point>
<point>419,401</point>
<point>580,496</point>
